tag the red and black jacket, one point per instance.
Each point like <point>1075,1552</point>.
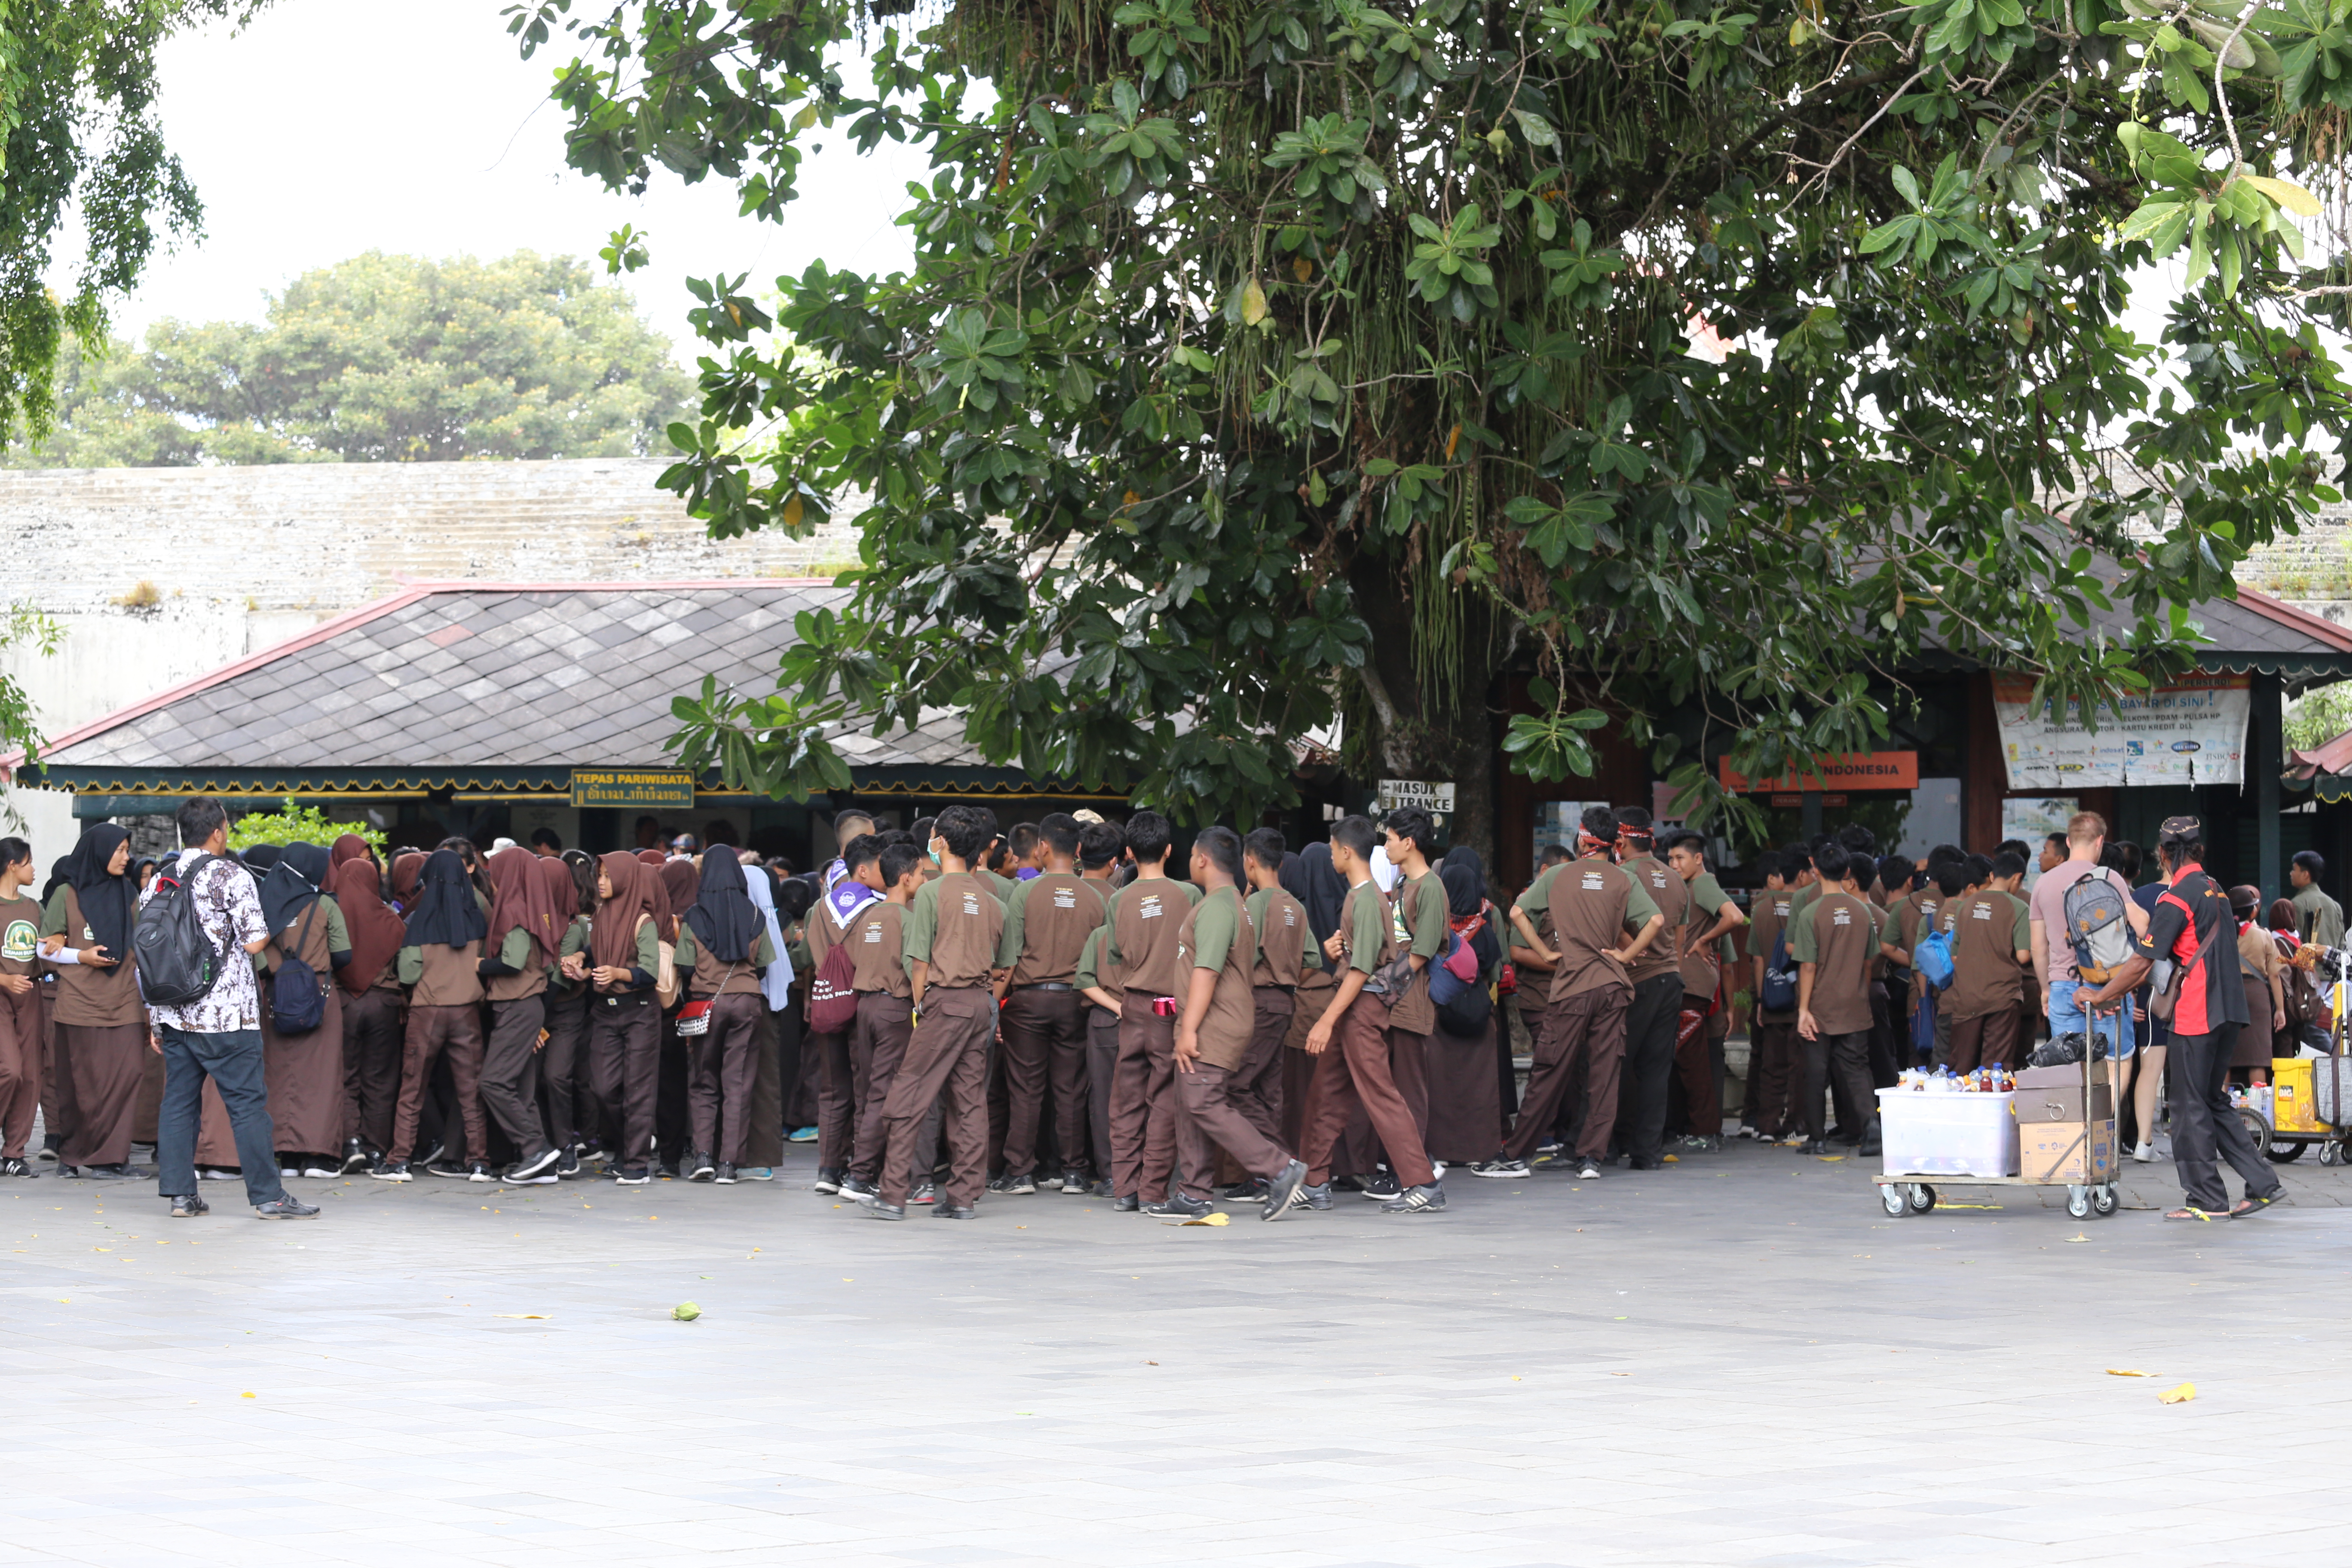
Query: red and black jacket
<point>2193,926</point>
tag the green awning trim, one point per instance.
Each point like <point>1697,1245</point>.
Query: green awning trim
<point>276,783</point>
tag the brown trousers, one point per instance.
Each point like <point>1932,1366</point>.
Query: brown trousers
<point>372,1041</point>
<point>567,1102</point>
<point>110,1064</point>
<point>22,1055</point>
<point>625,1032</point>
<point>763,1129</point>
<point>1409,1070</point>
<point>1210,1099</point>
<point>1989,1041</point>
<point>1307,1009</point>
<point>1044,1039</point>
<point>1769,1060</point>
<point>878,1047</point>
<point>1258,1083</point>
<point>1102,1069</point>
<point>725,1065</point>
<point>947,1053</point>
<point>1149,1133</point>
<point>431,1031</point>
<point>837,1108</point>
<point>1582,1041</point>
<point>511,1068</point>
<point>1354,1075</point>
<point>1695,1069</point>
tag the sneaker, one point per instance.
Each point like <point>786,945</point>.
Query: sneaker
<point>2145,1153</point>
<point>802,1135</point>
<point>698,1167</point>
<point>1102,1189</point>
<point>1500,1170</point>
<point>288,1173</point>
<point>117,1173</point>
<point>430,1158</point>
<point>322,1170</point>
<point>856,1191</point>
<point>392,1170</point>
<point>1793,1140</point>
<point>1249,1192</point>
<point>207,1173</point>
<point>568,1168</point>
<point>1346,1183</point>
<point>187,1205</point>
<point>757,1173</point>
<point>1749,1132</point>
<point>925,1195</point>
<point>47,1151</point>
<point>286,1207</point>
<point>453,1172</point>
<point>1438,1166</point>
<point>1127,1203</point>
<point>1818,1146</point>
<point>1590,1171</point>
<point>357,1156</point>
<point>725,1174</point>
<point>1074,1183</point>
<point>954,1211</point>
<point>13,1166</point>
<point>1310,1196</point>
<point>884,1211</point>
<point>630,1176</point>
<point>1381,1188</point>
<point>481,1171</point>
<point>667,1170</point>
<point>1282,1190</point>
<point>1013,1187</point>
<point>827,1182</point>
<point>1550,1146</point>
<point>1429,1198</point>
<point>543,1164</point>
<point>1556,1160</point>
<point>1178,1203</point>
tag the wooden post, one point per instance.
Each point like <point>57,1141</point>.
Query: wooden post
<point>2267,758</point>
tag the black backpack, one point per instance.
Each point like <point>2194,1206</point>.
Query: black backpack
<point>1466,1013</point>
<point>177,962</point>
<point>297,1002</point>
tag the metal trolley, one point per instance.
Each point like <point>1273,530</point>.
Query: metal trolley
<point>1905,1193</point>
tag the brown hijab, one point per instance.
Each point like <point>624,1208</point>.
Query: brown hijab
<point>652,857</point>
<point>635,892</point>
<point>350,847</point>
<point>681,885</point>
<point>376,933</point>
<point>519,898</point>
<point>408,873</point>
<point>563,896</point>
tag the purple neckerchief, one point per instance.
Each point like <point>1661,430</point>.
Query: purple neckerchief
<point>834,872</point>
<point>848,896</point>
<point>1026,872</point>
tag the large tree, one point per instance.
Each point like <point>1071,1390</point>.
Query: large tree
<point>1264,363</point>
<point>381,359</point>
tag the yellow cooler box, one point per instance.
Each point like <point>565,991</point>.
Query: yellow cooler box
<point>2292,1107</point>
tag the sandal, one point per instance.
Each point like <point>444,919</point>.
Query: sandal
<point>2249,1204</point>
<point>2193,1213</point>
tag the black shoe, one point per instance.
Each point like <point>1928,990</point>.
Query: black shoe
<point>453,1172</point>
<point>925,1195</point>
<point>393,1170</point>
<point>1313,1197</point>
<point>1428,1199</point>
<point>540,1167</point>
<point>1179,1204</point>
<point>1818,1146</point>
<point>668,1171</point>
<point>481,1171</point>
<point>954,1210</point>
<point>1013,1187</point>
<point>1381,1188</point>
<point>286,1207</point>
<point>188,1207</point>
<point>859,1191</point>
<point>1646,1164</point>
<point>1249,1192</point>
<point>885,1211</point>
<point>1102,1189</point>
<point>1074,1183</point>
<point>1871,1143</point>
<point>568,1168</point>
<point>118,1172</point>
<point>726,1174</point>
<point>355,1155</point>
<point>630,1176</point>
<point>1345,1185</point>
<point>1129,1203</point>
<point>13,1166</point>
<point>1843,1134</point>
<point>1499,1170</point>
<point>430,1158</point>
<point>1282,1190</point>
<point>698,1167</point>
<point>827,1182</point>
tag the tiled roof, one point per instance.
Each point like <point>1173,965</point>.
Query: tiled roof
<point>476,681</point>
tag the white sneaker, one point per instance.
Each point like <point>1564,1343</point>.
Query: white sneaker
<point>1590,1173</point>
<point>2145,1153</point>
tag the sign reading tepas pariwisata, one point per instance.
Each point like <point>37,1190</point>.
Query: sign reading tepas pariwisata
<point>656,789</point>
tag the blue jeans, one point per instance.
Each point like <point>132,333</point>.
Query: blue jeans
<point>2066,1018</point>
<point>233,1061</point>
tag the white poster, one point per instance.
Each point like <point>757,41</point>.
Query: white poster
<point>2188,731</point>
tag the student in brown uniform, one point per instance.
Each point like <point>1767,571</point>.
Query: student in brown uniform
<point>304,1069</point>
<point>1601,921</point>
<point>370,1009</point>
<point>837,1109</point>
<point>1046,922</point>
<point>569,1102</point>
<point>621,966</point>
<point>1835,940</point>
<point>952,933</point>
<point>526,929</point>
<point>1148,1139</point>
<point>1218,944</point>
<point>1419,905</point>
<point>1286,953</point>
<point>1533,994</point>
<point>1710,917</point>
<point>1102,850</point>
<point>23,1052</point>
<point>1356,1077</point>
<point>1992,941</point>
<point>441,962</point>
<point>1652,1015</point>
<point>723,949</point>
<point>876,941</point>
<point>101,1024</point>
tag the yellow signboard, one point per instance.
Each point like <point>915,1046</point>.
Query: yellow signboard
<point>641,788</point>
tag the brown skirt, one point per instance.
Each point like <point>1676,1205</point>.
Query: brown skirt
<point>1466,1096</point>
<point>304,1074</point>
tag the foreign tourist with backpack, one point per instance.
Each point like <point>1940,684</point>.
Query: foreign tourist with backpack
<point>196,926</point>
<point>2083,924</point>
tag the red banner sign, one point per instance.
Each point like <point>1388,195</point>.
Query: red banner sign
<point>1858,770</point>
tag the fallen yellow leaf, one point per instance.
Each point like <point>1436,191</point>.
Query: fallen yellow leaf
<point>1210,1219</point>
<point>2126,1372</point>
<point>246,1395</point>
<point>2180,1395</point>
<point>541,1315</point>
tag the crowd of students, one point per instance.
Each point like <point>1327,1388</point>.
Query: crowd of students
<point>975,1012</point>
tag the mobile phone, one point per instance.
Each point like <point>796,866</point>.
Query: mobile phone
<point>1163,1007</point>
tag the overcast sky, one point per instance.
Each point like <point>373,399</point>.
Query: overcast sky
<point>328,128</point>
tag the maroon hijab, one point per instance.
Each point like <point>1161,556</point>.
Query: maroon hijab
<point>377,934</point>
<point>635,892</point>
<point>407,874</point>
<point>681,885</point>
<point>519,898</point>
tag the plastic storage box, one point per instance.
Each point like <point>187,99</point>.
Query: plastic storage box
<point>1948,1134</point>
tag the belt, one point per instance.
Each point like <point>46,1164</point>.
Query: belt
<point>1046,986</point>
<point>1285,990</point>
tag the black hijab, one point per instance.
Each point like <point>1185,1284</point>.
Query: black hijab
<point>261,858</point>
<point>1465,882</point>
<point>292,886</point>
<point>1311,879</point>
<point>109,904</point>
<point>58,879</point>
<point>795,895</point>
<point>445,912</point>
<point>726,923</point>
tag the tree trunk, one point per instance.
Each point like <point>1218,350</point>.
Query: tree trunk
<point>1441,730</point>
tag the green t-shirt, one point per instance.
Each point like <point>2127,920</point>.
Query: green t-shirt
<point>1214,930</point>
<point>1427,937</point>
<point>1366,935</point>
<point>922,923</point>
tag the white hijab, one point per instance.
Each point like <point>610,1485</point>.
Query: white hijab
<point>777,983</point>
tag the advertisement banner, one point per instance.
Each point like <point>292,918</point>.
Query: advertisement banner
<point>2185,732</point>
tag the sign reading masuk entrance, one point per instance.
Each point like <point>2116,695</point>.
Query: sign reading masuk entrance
<point>1437,799</point>
<point>2192,730</point>
<point>650,789</point>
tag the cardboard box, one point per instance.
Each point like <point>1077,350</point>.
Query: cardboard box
<point>2064,1102</point>
<point>2060,1077</point>
<point>2294,1105</point>
<point>2054,1152</point>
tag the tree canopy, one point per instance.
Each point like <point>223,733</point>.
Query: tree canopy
<point>1711,362</point>
<point>381,359</point>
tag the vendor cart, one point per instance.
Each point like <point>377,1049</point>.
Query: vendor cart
<point>2073,1146</point>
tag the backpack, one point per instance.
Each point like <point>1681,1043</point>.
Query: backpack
<point>1777,994</point>
<point>1466,1013</point>
<point>177,962</point>
<point>2098,928</point>
<point>1446,979</point>
<point>297,1002</point>
<point>1922,1028</point>
<point>1931,960</point>
<point>831,999</point>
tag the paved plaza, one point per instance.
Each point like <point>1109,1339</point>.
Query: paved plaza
<point>1740,1359</point>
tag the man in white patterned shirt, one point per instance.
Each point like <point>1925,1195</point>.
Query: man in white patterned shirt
<point>217,1036</point>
